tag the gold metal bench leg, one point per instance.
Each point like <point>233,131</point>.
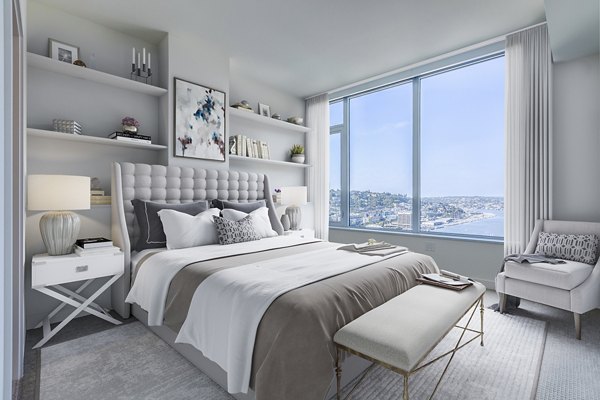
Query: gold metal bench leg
<point>405,391</point>
<point>481,308</point>
<point>338,375</point>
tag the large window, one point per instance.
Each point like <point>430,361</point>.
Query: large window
<point>423,155</point>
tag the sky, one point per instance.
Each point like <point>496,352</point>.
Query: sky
<point>462,135</point>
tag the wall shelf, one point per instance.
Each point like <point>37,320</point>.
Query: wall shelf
<point>251,116</point>
<point>46,63</point>
<point>235,158</point>
<point>91,139</point>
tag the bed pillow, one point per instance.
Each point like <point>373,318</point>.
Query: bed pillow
<point>580,248</point>
<point>152,234</point>
<point>184,230</point>
<point>230,232</point>
<point>244,207</point>
<point>260,220</point>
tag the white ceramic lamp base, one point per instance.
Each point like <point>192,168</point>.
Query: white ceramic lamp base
<point>59,231</point>
<point>295,216</point>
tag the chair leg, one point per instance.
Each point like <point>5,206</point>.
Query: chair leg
<point>577,325</point>
<point>502,302</point>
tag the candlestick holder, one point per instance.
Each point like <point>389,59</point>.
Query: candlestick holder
<point>143,74</point>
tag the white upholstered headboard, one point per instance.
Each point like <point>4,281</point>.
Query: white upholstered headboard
<point>169,184</point>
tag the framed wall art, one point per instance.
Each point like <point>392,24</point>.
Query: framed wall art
<point>62,51</point>
<point>199,121</point>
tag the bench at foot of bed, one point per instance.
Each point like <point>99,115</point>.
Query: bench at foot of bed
<point>400,333</point>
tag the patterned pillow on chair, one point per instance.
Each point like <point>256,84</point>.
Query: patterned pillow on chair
<point>580,248</point>
<point>230,232</point>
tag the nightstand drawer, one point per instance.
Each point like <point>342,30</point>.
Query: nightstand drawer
<point>302,233</point>
<point>63,269</point>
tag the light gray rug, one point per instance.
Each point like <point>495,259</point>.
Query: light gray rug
<point>506,367</point>
<point>130,362</point>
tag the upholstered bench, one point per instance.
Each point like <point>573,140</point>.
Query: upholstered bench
<point>400,333</point>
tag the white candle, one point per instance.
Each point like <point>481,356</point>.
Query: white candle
<point>149,60</point>
<point>133,55</point>
<point>144,59</point>
<point>138,60</point>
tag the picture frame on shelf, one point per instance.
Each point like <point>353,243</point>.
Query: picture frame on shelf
<point>62,51</point>
<point>264,110</point>
<point>199,122</point>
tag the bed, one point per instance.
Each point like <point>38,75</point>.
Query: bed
<point>287,338</point>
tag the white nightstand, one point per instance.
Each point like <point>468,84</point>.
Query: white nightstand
<point>301,233</point>
<point>49,272</point>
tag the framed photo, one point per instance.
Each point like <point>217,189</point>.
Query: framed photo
<point>264,110</point>
<point>62,51</point>
<point>199,121</point>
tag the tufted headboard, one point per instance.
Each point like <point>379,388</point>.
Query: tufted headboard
<point>169,184</point>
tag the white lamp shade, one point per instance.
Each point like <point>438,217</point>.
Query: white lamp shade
<point>58,192</point>
<point>293,195</point>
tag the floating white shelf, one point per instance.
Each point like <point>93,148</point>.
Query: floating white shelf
<point>92,139</point>
<point>234,112</point>
<point>37,61</point>
<point>264,161</point>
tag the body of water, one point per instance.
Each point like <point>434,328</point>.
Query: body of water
<point>486,227</point>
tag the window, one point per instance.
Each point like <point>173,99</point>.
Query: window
<point>423,155</point>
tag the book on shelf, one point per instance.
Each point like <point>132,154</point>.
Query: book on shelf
<point>97,192</point>
<point>89,243</point>
<point>130,137</point>
<point>264,154</point>
<point>95,250</point>
<point>255,153</point>
<point>100,200</point>
<point>249,152</point>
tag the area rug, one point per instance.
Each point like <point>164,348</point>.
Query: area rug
<point>130,362</point>
<point>506,367</point>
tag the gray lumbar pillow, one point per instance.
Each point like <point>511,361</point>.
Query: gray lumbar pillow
<point>152,234</point>
<point>243,207</point>
<point>230,232</point>
<point>580,248</point>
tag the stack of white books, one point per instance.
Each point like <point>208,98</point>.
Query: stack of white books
<point>94,246</point>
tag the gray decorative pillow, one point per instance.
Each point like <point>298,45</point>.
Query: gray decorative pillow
<point>230,232</point>
<point>243,207</point>
<point>580,248</point>
<point>152,234</point>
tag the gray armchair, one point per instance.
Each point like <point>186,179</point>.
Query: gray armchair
<point>572,286</point>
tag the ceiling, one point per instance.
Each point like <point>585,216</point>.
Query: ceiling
<point>310,46</point>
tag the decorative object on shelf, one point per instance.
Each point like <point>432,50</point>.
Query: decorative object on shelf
<point>243,105</point>
<point>130,124</point>
<point>59,229</point>
<point>296,120</point>
<point>62,51</point>
<point>141,71</point>
<point>233,145</point>
<point>67,126</point>
<point>199,121</point>
<point>297,153</point>
<point>285,222</point>
<point>277,196</point>
<point>293,197</point>
<point>79,63</point>
<point>264,110</point>
<point>276,116</point>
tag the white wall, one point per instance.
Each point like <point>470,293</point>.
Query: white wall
<point>577,139</point>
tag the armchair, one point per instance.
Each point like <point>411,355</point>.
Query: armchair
<point>572,286</point>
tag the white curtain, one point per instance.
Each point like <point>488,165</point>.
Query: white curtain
<point>528,192</point>
<point>317,155</point>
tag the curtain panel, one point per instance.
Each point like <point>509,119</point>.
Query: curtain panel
<point>528,191</point>
<point>317,155</point>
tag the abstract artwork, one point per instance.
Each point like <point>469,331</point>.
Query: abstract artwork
<point>199,121</point>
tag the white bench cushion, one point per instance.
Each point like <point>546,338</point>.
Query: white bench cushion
<point>563,276</point>
<point>403,330</point>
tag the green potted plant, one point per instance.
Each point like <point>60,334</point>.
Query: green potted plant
<point>297,153</point>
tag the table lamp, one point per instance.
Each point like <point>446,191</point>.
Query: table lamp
<point>293,197</point>
<point>58,193</point>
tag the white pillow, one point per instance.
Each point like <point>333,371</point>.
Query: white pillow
<point>260,220</point>
<point>183,230</point>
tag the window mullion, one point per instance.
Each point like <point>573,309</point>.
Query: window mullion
<point>345,157</point>
<point>416,198</point>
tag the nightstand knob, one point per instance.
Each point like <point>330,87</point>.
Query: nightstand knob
<point>81,268</point>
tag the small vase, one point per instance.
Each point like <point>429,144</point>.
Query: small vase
<point>129,129</point>
<point>285,221</point>
<point>298,158</point>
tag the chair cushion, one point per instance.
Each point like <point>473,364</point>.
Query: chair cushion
<point>581,248</point>
<point>563,276</point>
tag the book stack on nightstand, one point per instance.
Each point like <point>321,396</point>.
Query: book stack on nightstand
<point>95,246</point>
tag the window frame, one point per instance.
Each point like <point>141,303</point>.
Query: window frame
<point>344,130</point>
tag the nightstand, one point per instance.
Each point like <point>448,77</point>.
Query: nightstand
<point>301,233</point>
<point>48,273</point>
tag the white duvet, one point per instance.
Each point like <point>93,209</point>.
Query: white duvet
<point>228,306</point>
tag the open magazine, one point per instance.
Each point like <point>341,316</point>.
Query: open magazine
<point>446,279</point>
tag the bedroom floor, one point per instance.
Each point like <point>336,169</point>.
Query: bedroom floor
<point>569,367</point>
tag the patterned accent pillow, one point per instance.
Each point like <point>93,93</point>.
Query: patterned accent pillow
<point>580,248</point>
<point>230,232</point>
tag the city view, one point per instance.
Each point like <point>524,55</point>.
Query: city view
<point>472,215</point>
